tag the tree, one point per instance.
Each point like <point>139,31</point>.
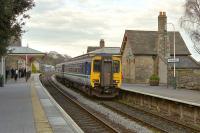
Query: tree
<point>191,21</point>
<point>12,19</point>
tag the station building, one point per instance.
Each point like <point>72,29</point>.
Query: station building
<point>147,52</point>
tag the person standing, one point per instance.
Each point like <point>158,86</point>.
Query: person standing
<point>12,73</point>
<point>16,74</point>
<point>7,73</point>
<point>20,73</point>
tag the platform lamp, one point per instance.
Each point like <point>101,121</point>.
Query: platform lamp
<point>174,57</point>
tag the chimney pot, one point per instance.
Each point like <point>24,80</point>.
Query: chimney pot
<point>164,13</point>
<point>102,43</point>
<point>162,22</point>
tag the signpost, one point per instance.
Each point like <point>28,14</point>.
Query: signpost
<point>174,56</point>
<point>172,60</point>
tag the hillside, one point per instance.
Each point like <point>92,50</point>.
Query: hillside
<point>53,58</point>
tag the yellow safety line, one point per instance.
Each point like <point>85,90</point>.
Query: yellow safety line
<point>41,123</point>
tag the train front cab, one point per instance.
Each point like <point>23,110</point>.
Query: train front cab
<point>106,76</point>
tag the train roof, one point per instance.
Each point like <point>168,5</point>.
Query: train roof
<point>105,51</point>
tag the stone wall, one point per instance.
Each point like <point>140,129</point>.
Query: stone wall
<point>128,65</point>
<point>162,71</point>
<point>182,113</point>
<point>11,62</point>
<point>144,66</point>
<point>186,78</point>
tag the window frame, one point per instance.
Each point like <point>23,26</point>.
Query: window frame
<point>98,69</point>
<point>118,69</point>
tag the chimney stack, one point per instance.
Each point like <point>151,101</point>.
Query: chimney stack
<point>102,43</point>
<point>162,22</point>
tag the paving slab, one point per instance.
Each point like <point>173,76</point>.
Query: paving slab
<point>16,114</point>
<point>19,105</point>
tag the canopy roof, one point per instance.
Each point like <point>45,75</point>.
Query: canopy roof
<point>23,51</point>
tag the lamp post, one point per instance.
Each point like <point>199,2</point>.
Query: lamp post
<point>174,57</point>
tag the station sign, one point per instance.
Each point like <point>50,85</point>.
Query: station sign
<point>172,60</point>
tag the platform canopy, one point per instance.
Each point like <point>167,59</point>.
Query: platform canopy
<point>24,52</point>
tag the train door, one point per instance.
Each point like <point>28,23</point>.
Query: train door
<point>106,73</point>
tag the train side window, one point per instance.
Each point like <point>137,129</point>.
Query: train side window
<point>82,68</point>
<point>87,68</point>
<point>116,66</point>
<point>97,66</point>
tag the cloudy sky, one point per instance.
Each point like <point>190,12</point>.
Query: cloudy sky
<point>69,26</point>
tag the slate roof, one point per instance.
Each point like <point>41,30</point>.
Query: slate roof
<point>91,48</point>
<point>144,42</point>
<point>23,50</point>
<point>186,62</point>
<point>181,48</point>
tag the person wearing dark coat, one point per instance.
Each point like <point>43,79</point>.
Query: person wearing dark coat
<point>12,73</point>
<point>7,73</point>
<point>16,74</point>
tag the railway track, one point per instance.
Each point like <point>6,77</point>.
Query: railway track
<point>87,121</point>
<point>157,123</point>
<point>152,121</point>
<point>146,118</point>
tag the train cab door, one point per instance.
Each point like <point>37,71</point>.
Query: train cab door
<point>106,74</point>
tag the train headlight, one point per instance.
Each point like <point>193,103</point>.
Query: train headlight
<point>116,81</point>
<point>95,80</point>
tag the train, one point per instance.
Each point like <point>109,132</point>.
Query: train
<point>97,73</point>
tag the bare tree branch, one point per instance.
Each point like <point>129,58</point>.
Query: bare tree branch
<point>190,22</point>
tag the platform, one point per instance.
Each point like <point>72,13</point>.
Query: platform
<point>16,115</point>
<point>191,97</point>
<point>58,119</point>
<point>26,107</point>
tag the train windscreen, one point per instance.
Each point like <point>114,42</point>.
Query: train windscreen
<point>116,66</point>
<point>97,66</point>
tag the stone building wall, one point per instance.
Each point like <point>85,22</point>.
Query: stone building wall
<point>16,62</point>
<point>144,66</point>
<point>128,65</point>
<point>11,62</point>
<point>186,78</point>
<point>162,71</point>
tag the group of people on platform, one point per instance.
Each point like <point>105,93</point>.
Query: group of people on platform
<point>18,73</point>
